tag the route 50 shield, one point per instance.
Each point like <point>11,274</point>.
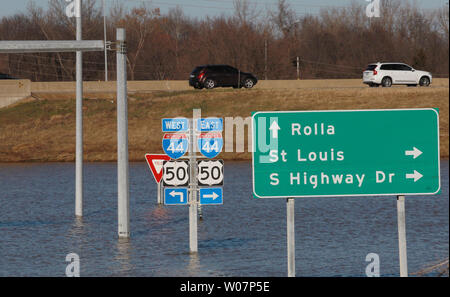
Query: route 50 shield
<point>210,173</point>
<point>175,145</point>
<point>210,144</point>
<point>176,173</point>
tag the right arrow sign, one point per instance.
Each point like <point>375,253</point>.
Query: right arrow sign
<point>211,196</point>
<point>415,152</point>
<point>416,175</point>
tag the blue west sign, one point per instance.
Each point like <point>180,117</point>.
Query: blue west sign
<point>175,125</point>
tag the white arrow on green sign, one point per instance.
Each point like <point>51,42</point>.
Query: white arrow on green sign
<point>345,153</point>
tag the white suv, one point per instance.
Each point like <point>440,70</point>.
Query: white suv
<point>388,74</point>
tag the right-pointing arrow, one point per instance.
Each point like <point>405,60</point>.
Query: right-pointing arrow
<point>213,196</point>
<point>415,153</point>
<point>416,176</point>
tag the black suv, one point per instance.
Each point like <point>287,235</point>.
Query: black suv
<point>211,76</point>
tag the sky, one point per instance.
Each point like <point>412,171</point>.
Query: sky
<point>201,8</point>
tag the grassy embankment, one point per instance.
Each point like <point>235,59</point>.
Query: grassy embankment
<point>44,130</point>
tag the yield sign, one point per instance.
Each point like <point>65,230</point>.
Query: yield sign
<point>155,162</point>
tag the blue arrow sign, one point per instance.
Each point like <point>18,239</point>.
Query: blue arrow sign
<point>210,144</point>
<point>210,125</point>
<point>175,125</point>
<point>211,196</point>
<point>175,145</point>
<point>175,196</point>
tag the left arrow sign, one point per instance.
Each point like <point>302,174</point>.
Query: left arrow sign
<point>179,194</point>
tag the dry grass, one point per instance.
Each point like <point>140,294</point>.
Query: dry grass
<point>439,268</point>
<point>44,130</point>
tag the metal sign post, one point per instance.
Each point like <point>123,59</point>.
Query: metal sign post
<point>79,121</point>
<point>193,207</point>
<point>401,221</point>
<point>123,206</point>
<point>290,230</point>
<point>158,189</point>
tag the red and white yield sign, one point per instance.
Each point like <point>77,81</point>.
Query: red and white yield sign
<point>155,162</point>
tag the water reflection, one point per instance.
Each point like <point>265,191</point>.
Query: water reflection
<point>77,229</point>
<point>123,256</point>
<point>193,267</point>
<point>159,215</point>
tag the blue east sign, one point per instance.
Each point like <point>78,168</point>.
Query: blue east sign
<point>210,125</point>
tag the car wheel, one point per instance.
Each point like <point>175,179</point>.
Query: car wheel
<point>210,84</point>
<point>424,82</point>
<point>249,83</point>
<point>386,82</point>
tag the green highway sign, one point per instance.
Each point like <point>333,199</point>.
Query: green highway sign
<point>345,153</point>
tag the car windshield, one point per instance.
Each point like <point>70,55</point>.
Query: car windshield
<point>371,67</point>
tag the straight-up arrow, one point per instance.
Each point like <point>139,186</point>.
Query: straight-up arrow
<point>415,153</point>
<point>416,176</point>
<point>274,128</point>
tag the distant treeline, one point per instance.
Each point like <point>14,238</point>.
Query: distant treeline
<point>335,43</point>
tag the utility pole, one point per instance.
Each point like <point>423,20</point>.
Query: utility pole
<point>123,203</point>
<point>298,68</point>
<point>265,59</point>
<point>104,33</point>
<point>79,119</point>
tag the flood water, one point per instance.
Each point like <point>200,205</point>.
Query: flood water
<point>242,237</point>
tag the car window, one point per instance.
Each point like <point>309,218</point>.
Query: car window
<point>404,67</point>
<point>216,68</point>
<point>371,67</point>
<point>387,67</point>
<point>231,69</point>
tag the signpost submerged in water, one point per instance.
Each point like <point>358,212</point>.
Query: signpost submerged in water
<point>346,153</point>
<point>181,178</point>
